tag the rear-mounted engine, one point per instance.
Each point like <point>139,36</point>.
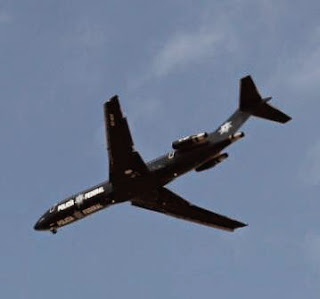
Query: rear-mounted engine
<point>190,141</point>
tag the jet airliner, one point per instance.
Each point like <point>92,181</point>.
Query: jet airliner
<point>143,184</point>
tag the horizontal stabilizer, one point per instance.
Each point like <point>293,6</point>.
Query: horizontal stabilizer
<point>252,102</point>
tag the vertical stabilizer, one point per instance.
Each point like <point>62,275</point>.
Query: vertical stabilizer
<point>252,103</point>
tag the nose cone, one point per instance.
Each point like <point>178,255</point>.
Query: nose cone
<point>36,226</point>
<point>40,225</point>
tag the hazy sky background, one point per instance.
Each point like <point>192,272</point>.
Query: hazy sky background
<point>176,67</point>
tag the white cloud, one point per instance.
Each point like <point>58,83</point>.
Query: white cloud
<point>222,33</point>
<point>300,71</point>
<point>309,74</point>
<point>211,41</point>
<point>185,48</point>
<point>305,77</point>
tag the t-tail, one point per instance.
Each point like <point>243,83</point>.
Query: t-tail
<point>252,103</point>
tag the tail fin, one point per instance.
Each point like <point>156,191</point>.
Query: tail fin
<point>252,102</point>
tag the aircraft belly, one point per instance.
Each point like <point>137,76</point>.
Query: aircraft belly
<point>131,187</point>
<point>187,161</point>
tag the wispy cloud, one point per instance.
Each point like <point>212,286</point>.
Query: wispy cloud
<point>299,71</point>
<point>184,49</point>
<point>307,73</point>
<point>211,41</point>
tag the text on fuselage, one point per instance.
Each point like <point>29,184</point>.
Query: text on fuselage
<point>87,195</point>
<point>94,192</point>
<point>66,205</point>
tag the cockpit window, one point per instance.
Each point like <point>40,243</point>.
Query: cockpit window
<point>52,208</point>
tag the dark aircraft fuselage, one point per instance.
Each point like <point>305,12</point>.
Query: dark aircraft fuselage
<point>163,170</point>
<point>142,184</point>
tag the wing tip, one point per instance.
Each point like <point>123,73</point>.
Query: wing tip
<point>241,225</point>
<point>286,119</point>
<point>113,100</point>
<point>237,225</point>
<point>247,77</point>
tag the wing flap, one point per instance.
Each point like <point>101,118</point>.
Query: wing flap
<point>169,203</point>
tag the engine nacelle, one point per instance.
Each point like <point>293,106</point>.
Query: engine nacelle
<point>213,162</point>
<point>190,141</point>
<point>236,136</point>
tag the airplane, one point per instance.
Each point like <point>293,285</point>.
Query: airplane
<point>143,184</point>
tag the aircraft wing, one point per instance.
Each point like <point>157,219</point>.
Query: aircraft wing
<point>166,202</point>
<point>124,161</point>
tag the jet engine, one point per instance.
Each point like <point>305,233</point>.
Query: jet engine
<point>190,141</point>
<point>213,162</point>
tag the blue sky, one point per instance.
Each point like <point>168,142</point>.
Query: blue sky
<point>175,66</point>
